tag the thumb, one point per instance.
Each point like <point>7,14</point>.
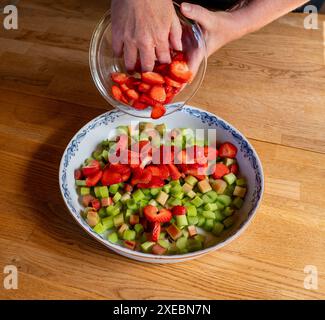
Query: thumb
<point>197,13</point>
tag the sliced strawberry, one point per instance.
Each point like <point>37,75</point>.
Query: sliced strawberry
<point>92,181</point>
<point>78,174</point>
<point>144,87</point>
<point>220,170</point>
<point>119,168</point>
<point>92,168</point>
<point>158,93</point>
<point>124,100</point>
<point>96,204</point>
<point>179,210</point>
<point>119,77</point>
<point>124,88</point>
<point>141,176</point>
<point>158,111</point>
<point>152,78</point>
<point>132,82</point>
<point>116,92</point>
<point>146,100</point>
<point>128,188</point>
<point>164,172</point>
<point>158,250</point>
<point>180,72</point>
<point>227,150</point>
<point>234,168</point>
<point>139,105</point>
<point>132,94</point>
<point>178,56</point>
<point>173,171</point>
<point>110,177</point>
<point>155,171</point>
<point>86,200</point>
<point>156,232</point>
<point>134,219</point>
<point>161,68</point>
<point>152,215</point>
<point>210,153</point>
<point>172,83</point>
<point>155,182</point>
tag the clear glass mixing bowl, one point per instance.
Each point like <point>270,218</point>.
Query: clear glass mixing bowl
<point>103,62</point>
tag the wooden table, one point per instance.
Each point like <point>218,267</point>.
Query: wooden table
<point>270,85</point>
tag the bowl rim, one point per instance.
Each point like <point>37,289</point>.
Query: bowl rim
<point>178,257</point>
<point>95,74</point>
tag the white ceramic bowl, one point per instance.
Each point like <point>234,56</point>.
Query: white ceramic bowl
<point>86,140</point>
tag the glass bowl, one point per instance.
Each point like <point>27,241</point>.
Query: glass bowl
<point>103,62</point>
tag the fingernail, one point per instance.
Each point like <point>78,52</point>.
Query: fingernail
<point>186,7</point>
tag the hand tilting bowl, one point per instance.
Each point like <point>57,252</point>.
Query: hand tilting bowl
<point>103,63</point>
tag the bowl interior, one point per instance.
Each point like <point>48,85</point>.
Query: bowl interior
<point>86,140</point>
<point>103,62</point>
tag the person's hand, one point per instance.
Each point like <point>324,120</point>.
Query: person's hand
<point>218,27</point>
<point>149,27</point>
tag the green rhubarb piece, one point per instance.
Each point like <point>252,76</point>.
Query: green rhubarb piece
<point>212,195</point>
<point>211,207</point>
<point>209,214</point>
<point>147,246</point>
<point>219,216</point>
<point>194,245</point>
<point>108,223</point>
<point>125,197</point>
<point>97,155</point>
<point>128,214</point>
<point>164,243</point>
<point>118,220</point>
<point>201,221</point>
<point>143,203</point>
<point>208,224</point>
<point>112,237</point>
<point>162,235</point>
<point>238,202</point>
<point>187,188</point>
<point>230,178</point>
<point>154,191</point>
<point>81,183</point>
<point>113,188</point>
<point>228,211</point>
<point>191,194</point>
<point>239,192</point>
<point>191,180</point>
<point>129,235</point>
<point>220,205</point>
<point>102,212</point>
<point>118,205</point>
<point>179,195</point>
<point>138,195</point>
<point>217,228</point>
<point>186,202</point>
<point>224,199</point>
<point>193,220</point>
<point>162,198</point>
<point>166,188</point>
<point>97,192</point>
<point>204,186</point>
<point>229,161</point>
<point>103,192</point>
<point>84,191</point>
<point>138,228</point>
<point>99,228</point>
<point>197,201</point>
<point>146,192</point>
<point>117,197</point>
<point>176,190</point>
<point>112,211</point>
<point>105,155</point>
<point>174,183</point>
<point>206,199</point>
<point>241,182</point>
<point>89,160</point>
<point>174,202</point>
<point>153,202</point>
<point>229,190</point>
<point>228,222</point>
<point>181,243</point>
<point>191,211</point>
<point>122,229</point>
<point>181,221</point>
<point>131,204</point>
<point>185,233</point>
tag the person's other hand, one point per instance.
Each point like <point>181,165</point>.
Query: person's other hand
<point>218,27</point>
<point>147,27</point>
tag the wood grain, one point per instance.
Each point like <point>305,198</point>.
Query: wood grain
<point>270,85</point>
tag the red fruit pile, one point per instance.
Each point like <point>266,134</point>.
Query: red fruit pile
<point>154,89</point>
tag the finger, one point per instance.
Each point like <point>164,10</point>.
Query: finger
<point>117,45</point>
<point>197,13</point>
<point>130,56</point>
<point>163,52</point>
<point>147,58</point>
<point>175,36</point>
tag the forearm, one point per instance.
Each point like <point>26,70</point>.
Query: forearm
<point>259,13</point>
